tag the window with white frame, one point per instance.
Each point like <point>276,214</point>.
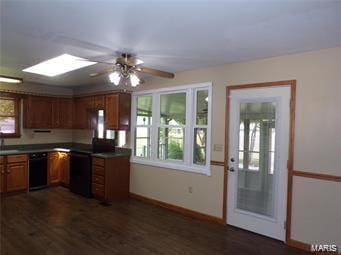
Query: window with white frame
<point>171,127</point>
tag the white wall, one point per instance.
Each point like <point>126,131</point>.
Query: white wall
<point>317,139</point>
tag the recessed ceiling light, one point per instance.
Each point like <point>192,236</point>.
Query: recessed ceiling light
<point>59,65</point>
<point>8,79</point>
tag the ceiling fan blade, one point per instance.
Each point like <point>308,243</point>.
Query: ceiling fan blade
<point>94,60</point>
<point>155,72</point>
<point>107,71</point>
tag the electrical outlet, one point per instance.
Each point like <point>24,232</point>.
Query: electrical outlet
<point>190,190</point>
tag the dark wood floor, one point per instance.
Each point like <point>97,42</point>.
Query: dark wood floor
<point>55,221</point>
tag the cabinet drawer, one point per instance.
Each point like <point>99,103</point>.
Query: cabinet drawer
<point>98,170</point>
<point>98,189</point>
<point>16,158</point>
<point>98,161</point>
<point>98,179</point>
<point>2,160</point>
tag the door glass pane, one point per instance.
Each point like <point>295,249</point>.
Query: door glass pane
<point>202,107</point>
<point>142,142</point>
<point>144,110</point>
<point>173,109</point>
<point>171,143</point>
<point>199,156</point>
<point>256,158</point>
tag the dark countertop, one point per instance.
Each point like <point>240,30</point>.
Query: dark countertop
<point>66,147</point>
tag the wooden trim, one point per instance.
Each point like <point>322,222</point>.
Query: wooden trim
<point>292,85</point>
<point>226,151</point>
<point>263,84</point>
<point>319,176</point>
<point>22,94</point>
<point>217,163</point>
<point>178,209</point>
<point>290,159</point>
<point>298,244</point>
<point>103,93</point>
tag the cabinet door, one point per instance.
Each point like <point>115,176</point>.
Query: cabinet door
<point>53,168</point>
<point>65,112</point>
<point>112,111</point>
<point>124,112</point>
<point>65,168</point>
<point>99,102</point>
<point>16,177</point>
<point>38,112</point>
<point>2,178</point>
<point>82,107</point>
<point>55,113</point>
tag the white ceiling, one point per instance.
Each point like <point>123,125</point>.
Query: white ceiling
<point>168,35</point>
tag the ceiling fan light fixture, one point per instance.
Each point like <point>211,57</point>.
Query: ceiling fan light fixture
<point>115,78</point>
<point>134,80</point>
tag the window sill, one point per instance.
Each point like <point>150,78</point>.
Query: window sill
<point>170,165</point>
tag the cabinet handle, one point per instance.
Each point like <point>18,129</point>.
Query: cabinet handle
<point>2,171</point>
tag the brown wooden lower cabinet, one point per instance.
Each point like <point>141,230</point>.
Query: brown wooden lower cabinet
<point>58,168</point>
<point>14,173</point>
<point>110,178</point>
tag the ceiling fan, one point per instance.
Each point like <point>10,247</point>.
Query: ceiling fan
<point>126,68</point>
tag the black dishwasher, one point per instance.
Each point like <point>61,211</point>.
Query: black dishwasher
<point>37,171</point>
<point>80,174</point>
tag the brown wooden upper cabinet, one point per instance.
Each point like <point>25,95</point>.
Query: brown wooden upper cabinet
<point>65,113</point>
<point>81,112</point>
<point>99,102</point>
<point>39,112</point>
<point>47,112</point>
<point>117,111</point>
<point>78,113</point>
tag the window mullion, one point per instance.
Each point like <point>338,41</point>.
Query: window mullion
<point>155,125</point>
<point>188,148</point>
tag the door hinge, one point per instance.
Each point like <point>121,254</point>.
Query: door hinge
<point>285,224</point>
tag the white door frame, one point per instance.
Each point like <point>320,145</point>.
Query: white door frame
<point>292,85</point>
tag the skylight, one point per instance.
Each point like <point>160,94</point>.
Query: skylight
<point>59,65</point>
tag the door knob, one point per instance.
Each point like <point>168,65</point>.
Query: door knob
<point>232,159</point>
<point>231,169</point>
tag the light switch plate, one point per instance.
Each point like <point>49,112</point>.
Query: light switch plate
<point>218,147</point>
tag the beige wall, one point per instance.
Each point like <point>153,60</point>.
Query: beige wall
<point>27,135</point>
<point>317,139</point>
<point>316,210</point>
<point>82,136</point>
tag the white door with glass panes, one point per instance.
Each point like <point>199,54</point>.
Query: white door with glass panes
<point>257,163</point>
